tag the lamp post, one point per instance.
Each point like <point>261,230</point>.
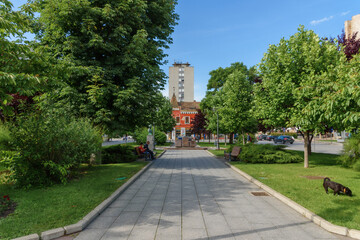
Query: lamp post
<point>217,130</point>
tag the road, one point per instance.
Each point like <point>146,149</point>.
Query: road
<point>316,146</point>
<point>115,141</point>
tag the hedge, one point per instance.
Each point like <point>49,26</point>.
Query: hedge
<point>121,153</point>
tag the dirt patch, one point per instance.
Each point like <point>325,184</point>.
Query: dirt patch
<point>313,177</point>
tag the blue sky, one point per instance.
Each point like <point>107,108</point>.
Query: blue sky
<point>215,33</point>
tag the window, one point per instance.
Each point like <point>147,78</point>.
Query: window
<point>177,119</point>
<point>187,120</point>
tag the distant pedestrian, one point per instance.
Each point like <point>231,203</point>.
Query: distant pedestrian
<point>248,138</point>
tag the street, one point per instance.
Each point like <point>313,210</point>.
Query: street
<point>316,146</point>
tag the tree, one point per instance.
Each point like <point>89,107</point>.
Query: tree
<point>18,73</point>
<point>237,103</point>
<point>350,44</point>
<point>292,74</point>
<point>120,44</point>
<point>164,121</point>
<point>198,124</point>
<point>218,77</point>
<point>214,99</point>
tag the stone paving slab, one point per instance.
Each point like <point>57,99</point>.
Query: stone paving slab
<point>191,195</point>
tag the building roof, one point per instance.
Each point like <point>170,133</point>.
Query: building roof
<point>189,106</point>
<point>174,102</point>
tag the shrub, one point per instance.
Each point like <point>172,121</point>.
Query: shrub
<point>50,147</point>
<point>140,136</point>
<point>351,153</point>
<point>266,153</point>
<point>5,137</point>
<point>160,137</point>
<point>5,203</point>
<point>118,154</point>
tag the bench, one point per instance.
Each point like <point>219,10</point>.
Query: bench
<point>146,155</point>
<point>233,154</point>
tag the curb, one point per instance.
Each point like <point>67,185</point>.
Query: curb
<point>161,154</point>
<point>79,226</point>
<point>353,233</point>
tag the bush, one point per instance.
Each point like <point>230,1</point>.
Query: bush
<point>50,147</point>
<point>351,153</point>
<point>266,153</point>
<point>160,138</point>
<point>118,154</point>
<point>140,136</point>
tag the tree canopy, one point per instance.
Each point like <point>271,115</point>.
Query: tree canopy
<point>18,64</point>
<point>120,46</point>
<point>292,73</point>
<point>230,96</point>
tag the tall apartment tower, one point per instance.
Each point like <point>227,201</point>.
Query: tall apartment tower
<point>352,26</point>
<point>181,82</point>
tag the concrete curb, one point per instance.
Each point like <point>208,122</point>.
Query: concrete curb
<point>28,237</point>
<point>79,226</point>
<point>161,154</point>
<point>353,233</point>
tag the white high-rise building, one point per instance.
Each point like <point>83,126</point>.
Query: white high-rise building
<point>181,82</point>
<point>352,26</point>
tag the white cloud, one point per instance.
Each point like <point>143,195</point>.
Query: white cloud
<point>345,13</point>
<point>325,19</point>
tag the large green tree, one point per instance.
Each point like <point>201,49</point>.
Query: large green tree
<point>237,104</point>
<point>163,119</point>
<point>213,103</point>
<point>290,93</point>
<point>18,65</point>
<point>120,43</point>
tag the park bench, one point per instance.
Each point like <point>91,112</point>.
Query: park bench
<point>146,155</point>
<point>233,154</point>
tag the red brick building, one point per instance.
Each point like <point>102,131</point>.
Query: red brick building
<point>183,113</point>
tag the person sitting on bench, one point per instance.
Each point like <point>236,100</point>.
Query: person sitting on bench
<point>141,149</point>
<point>146,146</point>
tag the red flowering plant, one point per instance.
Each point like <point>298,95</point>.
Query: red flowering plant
<point>5,203</point>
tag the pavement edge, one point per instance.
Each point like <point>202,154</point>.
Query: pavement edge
<point>353,233</point>
<point>79,226</point>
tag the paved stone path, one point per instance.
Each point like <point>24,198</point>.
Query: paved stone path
<point>191,195</point>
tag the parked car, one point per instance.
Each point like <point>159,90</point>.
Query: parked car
<point>270,138</point>
<point>261,137</point>
<point>284,139</point>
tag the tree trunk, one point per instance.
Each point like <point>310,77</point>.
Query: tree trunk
<point>306,149</point>
<point>243,137</point>
<point>231,138</point>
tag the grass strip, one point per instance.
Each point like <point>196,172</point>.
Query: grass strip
<point>211,144</point>
<point>42,209</point>
<point>304,186</point>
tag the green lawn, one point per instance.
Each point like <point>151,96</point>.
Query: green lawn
<point>60,205</point>
<point>292,181</point>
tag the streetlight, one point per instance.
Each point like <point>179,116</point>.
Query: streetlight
<point>217,128</point>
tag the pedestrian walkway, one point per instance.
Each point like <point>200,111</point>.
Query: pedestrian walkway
<point>191,195</point>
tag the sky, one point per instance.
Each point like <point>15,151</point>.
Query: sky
<point>215,33</point>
